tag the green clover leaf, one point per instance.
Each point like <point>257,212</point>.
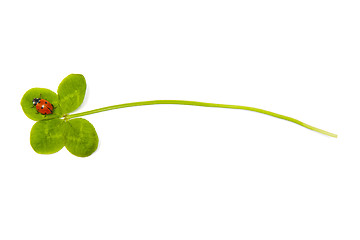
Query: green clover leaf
<point>71,92</point>
<point>53,131</point>
<point>56,128</point>
<point>46,137</point>
<point>29,108</point>
<point>81,137</point>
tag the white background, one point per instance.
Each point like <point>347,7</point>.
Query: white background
<point>184,172</point>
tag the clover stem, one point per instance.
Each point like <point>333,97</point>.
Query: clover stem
<point>202,104</point>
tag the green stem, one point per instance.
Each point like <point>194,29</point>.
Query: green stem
<point>202,104</point>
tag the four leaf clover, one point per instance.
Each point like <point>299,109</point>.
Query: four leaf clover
<point>56,128</point>
<point>54,131</point>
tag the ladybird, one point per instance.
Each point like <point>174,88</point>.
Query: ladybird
<point>43,106</point>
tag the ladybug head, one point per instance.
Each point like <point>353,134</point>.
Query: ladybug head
<point>36,101</point>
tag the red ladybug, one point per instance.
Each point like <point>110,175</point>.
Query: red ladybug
<point>43,106</point>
